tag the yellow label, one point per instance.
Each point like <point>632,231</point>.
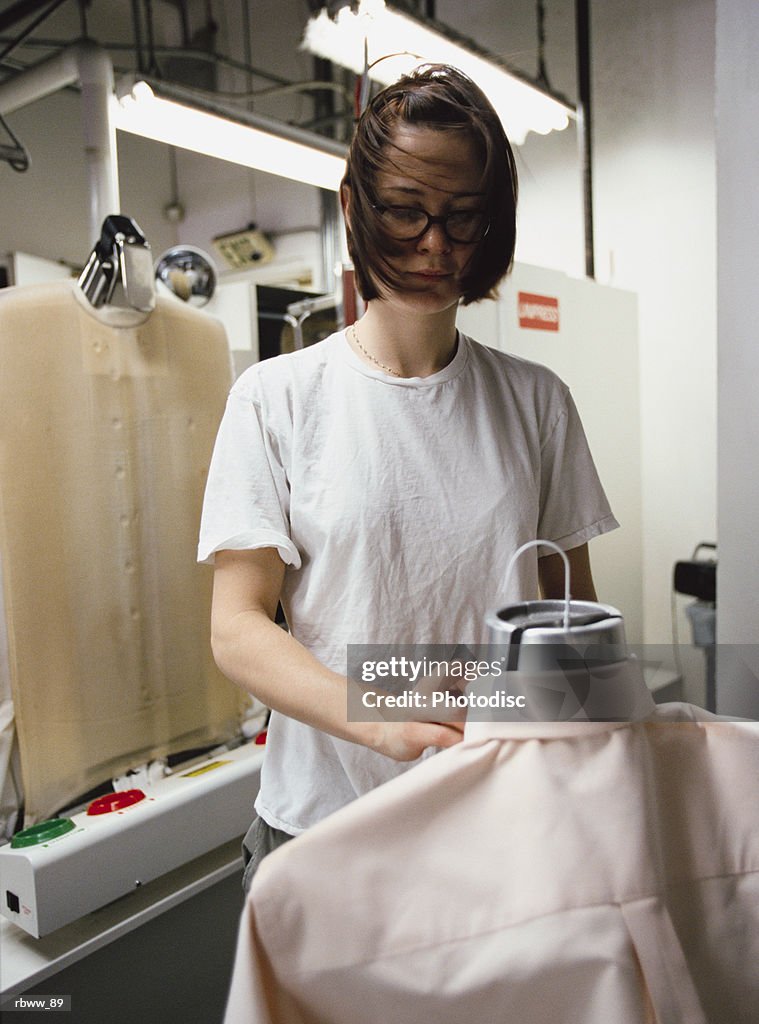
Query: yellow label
<point>203,769</point>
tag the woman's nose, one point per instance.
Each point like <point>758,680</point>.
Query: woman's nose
<point>434,239</point>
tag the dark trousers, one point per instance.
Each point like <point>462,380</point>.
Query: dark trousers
<point>260,839</point>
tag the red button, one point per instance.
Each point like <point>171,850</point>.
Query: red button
<point>260,740</point>
<point>115,801</point>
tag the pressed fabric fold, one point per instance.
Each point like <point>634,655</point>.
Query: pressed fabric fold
<point>665,970</point>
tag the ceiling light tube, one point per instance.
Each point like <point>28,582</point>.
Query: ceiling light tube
<point>523,106</point>
<point>192,123</point>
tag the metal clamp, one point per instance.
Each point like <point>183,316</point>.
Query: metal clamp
<point>119,271</point>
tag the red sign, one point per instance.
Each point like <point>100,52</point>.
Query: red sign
<point>538,312</point>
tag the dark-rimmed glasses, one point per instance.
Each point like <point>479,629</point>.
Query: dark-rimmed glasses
<point>409,223</point>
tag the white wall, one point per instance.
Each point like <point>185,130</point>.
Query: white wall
<point>738,271</point>
<point>656,224</point>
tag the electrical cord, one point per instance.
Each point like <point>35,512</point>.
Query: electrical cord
<point>21,161</point>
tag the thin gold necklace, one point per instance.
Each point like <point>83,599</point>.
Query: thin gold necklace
<point>369,356</point>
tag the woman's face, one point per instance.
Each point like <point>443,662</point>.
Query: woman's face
<point>437,171</point>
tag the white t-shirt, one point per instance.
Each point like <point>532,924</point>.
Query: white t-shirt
<point>396,504</point>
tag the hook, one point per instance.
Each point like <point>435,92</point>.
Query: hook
<point>567,571</point>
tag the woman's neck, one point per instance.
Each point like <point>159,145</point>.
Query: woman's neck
<point>407,344</point>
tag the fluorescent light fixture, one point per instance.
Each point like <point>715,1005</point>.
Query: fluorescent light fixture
<point>522,106</point>
<point>186,125</point>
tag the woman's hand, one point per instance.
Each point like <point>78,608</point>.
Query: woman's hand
<point>406,741</point>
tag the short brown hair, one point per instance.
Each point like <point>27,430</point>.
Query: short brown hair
<point>440,97</point>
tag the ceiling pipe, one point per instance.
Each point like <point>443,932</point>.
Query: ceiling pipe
<point>87,65</point>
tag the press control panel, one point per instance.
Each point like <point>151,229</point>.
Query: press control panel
<point>58,870</point>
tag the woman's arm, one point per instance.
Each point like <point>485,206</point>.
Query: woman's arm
<point>254,652</point>
<point>551,575</point>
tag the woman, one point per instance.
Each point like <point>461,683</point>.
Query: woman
<point>377,483</point>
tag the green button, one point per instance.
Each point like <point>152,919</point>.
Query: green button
<point>42,832</point>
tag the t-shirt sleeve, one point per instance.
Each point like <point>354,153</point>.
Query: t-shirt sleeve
<point>247,497</point>
<point>573,505</point>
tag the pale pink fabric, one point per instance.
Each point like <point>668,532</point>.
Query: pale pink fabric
<point>554,874</point>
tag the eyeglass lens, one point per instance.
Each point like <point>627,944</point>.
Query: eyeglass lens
<point>407,223</point>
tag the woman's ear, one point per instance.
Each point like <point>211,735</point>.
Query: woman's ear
<point>345,202</point>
